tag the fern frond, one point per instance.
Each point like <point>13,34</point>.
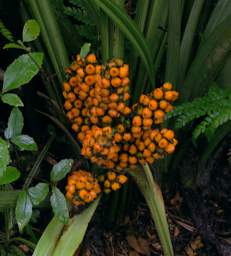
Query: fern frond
<point>214,108</point>
<point>4,31</point>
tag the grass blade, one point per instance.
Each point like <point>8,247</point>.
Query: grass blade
<point>74,232</point>
<point>174,36</point>
<point>189,34</point>
<point>153,196</point>
<point>8,199</point>
<point>209,60</point>
<point>49,238</point>
<point>130,30</point>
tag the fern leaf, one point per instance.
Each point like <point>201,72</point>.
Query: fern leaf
<point>4,31</point>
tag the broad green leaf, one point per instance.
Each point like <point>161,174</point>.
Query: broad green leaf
<point>10,175</point>
<point>38,193</point>
<point>49,238</point>
<point>31,31</point>
<point>15,124</point>
<point>74,232</point>
<point>130,30</point>
<point>154,199</point>
<point>13,46</point>
<point>61,169</point>
<point>59,205</point>
<point>85,49</point>
<point>12,99</point>
<point>23,209</point>
<point>22,70</point>
<point>4,156</point>
<point>25,142</point>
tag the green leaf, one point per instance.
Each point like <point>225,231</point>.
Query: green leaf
<point>74,232</point>
<point>154,199</point>
<point>15,124</point>
<point>31,31</point>
<point>49,238</point>
<point>85,49</point>
<point>13,46</point>
<point>38,193</point>
<point>210,58</point>
<point>4,156</point>
<point>8,199</point>
<point>10,175</point>
<point>23,211</point>
<point>130,30</point>
<point>61,169</point>
<point>59,205</point>
<point>25,142</point>
<point>12,100</point>
<point>22,70</point>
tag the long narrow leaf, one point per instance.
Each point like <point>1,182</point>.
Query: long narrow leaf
<point>189,34</point>
<point>49,238</point>
<point>155,202</point>
<point>209,60</point>
<point>130,30</point>
<point>174,34</point>
<point>8,198</point>
<point>74,232</point>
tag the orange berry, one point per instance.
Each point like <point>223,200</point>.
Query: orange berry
<point>114,97</point>
<point>158,93</point>
<point>107,184</point>
<point>90,80</point>
<point>127,111</point>
<point>125,81</point>
<point>170,148</point>
<point>81,136</point>
<point>152,147</point>
<point>132,160</point>
<point>78,103</point>
<point>111,176</point>
<point>147,153</point>
<point>90,69</point>
<point>113,113</point>
<point>141,146</point>
<point>115,186</point>
<point>107,119</point>
<point>98,69</point>
<point>144,99</point>
<point>116,82</point>
<point>118,137</point>
<point>127,136</point>
<point>83,193</point>
<point>124,70</point>
<point>124,157</point>
<point>169,134</point>
<point>66,87</point>
<point>136,130</point>
<point>73,81</point>
<point>80,72</point>
<point>153,104</point>
<point>122,179</point>
<point>126,96</point>
<point>121,107</point>
<point>82,95</point>
<point>147,122</point>
<point>132,150</point>
<point>163,104</point>
<point>71,96</point>
<point>163,143</point>
<point>169,108</point>
<point>91,58</point>
<point>120,128</point>
<point>159,114</point>
<point>105,83</point>
<point>169,95</point>
<point>147,113</point>
<point>67,105</point>
<point>114,72</point>
<point>75,127</point>
<point>137,121</point>
<point>167,86</point>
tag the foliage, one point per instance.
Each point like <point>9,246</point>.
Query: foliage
<point>5,32</point>
<point>213,110</point>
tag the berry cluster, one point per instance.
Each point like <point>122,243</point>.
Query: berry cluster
<point>82,188</point>
<point>114,135</point>
<point>112,181</point>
